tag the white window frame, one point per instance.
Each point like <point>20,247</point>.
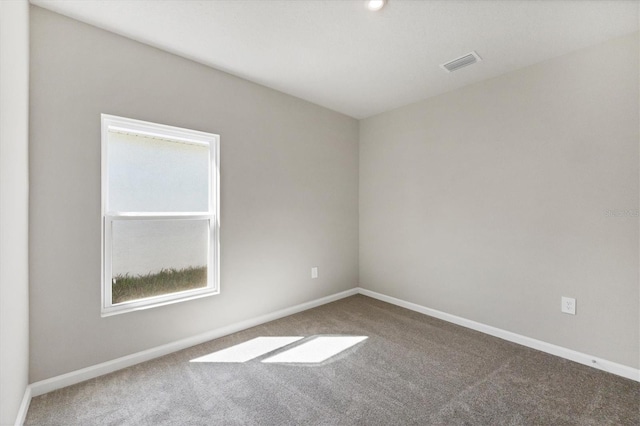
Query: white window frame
<point>112,123</point>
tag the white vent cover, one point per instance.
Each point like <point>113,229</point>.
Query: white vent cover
<point>462,61</point>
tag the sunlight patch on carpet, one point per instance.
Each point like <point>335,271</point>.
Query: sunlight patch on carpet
<point>249,350</point>
<point>316,350</point>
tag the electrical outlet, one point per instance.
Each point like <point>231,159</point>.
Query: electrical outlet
<point>314,272</point>
<point>568,305</point>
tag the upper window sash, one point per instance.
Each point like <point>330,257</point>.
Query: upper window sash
<point>127,201</point>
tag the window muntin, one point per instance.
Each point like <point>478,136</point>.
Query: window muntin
<point>160,205</point>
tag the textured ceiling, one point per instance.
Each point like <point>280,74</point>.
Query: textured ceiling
<point>340,55</point>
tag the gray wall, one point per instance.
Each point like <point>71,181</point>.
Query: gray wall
<point>490,202</point>
<point>14,206</point>
<point>289,192</point>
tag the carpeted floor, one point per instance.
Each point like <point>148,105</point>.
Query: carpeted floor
<point>412,369</point>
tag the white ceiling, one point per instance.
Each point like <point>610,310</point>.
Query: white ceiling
<point>340,55</point>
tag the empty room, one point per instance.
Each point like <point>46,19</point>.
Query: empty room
<point>319,212</point>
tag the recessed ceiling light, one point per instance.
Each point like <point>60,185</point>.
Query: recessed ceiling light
<point>375,4</point>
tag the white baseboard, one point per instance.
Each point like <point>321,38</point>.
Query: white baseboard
<point>582,358</point>
<point>24,407</point>
<point>68,379</point>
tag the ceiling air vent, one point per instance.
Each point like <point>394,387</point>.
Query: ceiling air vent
<point>462,61</point>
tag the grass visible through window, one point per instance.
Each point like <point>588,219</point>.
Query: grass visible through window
<point>126,287</point>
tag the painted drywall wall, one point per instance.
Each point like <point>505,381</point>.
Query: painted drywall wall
<point>14,206</point>
<point>493,201</point>
<point>289,191</point>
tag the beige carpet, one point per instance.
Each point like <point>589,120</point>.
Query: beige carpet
<point>411,370</point>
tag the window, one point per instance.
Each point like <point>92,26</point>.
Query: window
<point>160,214</point>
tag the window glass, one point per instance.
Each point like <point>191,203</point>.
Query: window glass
<point>154,257</point>
<point>157,175</point>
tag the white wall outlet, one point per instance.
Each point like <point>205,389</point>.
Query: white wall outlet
<point>568,305</point>
<point>314,272</point>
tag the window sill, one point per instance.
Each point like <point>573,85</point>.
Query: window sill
<point>145,304</point>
